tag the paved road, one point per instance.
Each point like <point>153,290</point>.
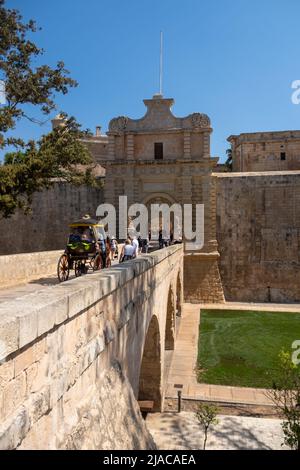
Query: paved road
<point>181,431</point>
<point>268,307</point>
<point>20,290</point>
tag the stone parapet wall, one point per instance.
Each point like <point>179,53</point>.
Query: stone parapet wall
<point>17,269</point>
<point>70,357</point>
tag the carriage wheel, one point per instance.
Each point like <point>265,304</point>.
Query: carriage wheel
<point>63,268</point>
<point>97,263</point>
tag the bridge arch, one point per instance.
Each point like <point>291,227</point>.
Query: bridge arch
<point>170,321</point>
<point>150,371</point>
<point>158,198</point>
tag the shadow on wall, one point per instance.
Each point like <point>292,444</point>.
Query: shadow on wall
<point>46,228</point>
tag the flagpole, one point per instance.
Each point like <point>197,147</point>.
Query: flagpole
<point>161,64</point>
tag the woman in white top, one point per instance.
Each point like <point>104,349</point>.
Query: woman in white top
<point>128,251</point>
<point>135,245</point>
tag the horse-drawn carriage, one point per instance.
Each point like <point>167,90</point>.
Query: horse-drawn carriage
<point>86,249</point>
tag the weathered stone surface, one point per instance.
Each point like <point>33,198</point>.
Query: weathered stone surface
<point>13,395</point>
<point>266,151</point>
<point>11,436</point>
<point>24,360</point>
<point>258,234</point>
<point>182,174</point>
<point>20,268</point>
<point>9,335</point>
<point>113,423</point>
<point>202,279</point>
<point>46,228</point>
<point>7,372</point>
<point>76,381</point>
<point>28,327</point>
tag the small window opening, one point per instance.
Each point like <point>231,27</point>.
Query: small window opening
<point>282,156</point>
<point>158,151</point>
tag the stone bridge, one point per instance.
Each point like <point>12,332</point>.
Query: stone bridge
<point>76,357</point>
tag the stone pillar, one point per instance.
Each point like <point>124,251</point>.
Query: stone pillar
<point>197,197</point>
<point>202,282</point>
<point>129,185</point>
<point>213,244</point>
<point>130,147</point>
<point>206,144</point>
<point>150,381</point>
<point>186,194</point>
<point>111,146</point>
<point>136,189</point>
<point>187,145</point>
<point>119,190</point>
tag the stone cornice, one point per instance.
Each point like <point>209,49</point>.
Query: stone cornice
<point>158,130</point>
<point>260,137</point>
<point>204,162</point>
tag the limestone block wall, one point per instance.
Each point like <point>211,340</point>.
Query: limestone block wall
<point>46,228</point>
<point>70,357</point>
<point>254,158</point>
<point>258,232</point>
<point>266,151</point>
<point>16,269</point>
<point>202,282</point>
<point>144,145</point>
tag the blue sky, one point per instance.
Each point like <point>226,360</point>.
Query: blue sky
<point>232,59</point>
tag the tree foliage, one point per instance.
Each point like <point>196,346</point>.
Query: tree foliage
<point>286,397</point>
<point>33,166</point>
<point>58,155</point>
<point>206,415</point>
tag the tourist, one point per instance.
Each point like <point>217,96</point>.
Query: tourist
<point>113,247</point>
<point>160,239</point>
<point>140,241</point>
<point>87,235</point>
<point>128,251</point>
<point>108,251</point>
<point>135,244</point>
<point>102,247</point>
<point>145,245</point>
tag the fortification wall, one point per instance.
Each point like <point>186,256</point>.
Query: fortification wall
<point>258,232</point>
<point>46,228</point>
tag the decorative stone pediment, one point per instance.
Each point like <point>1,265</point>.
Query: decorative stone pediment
<point>118,124</point>
<point>200,120</point>
<point>159,117</point>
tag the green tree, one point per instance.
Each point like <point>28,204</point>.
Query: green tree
<point>206,415</point>
<point>33,166</point>
<point>285,395</point>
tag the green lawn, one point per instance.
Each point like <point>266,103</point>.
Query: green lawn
<point>241,348</point>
